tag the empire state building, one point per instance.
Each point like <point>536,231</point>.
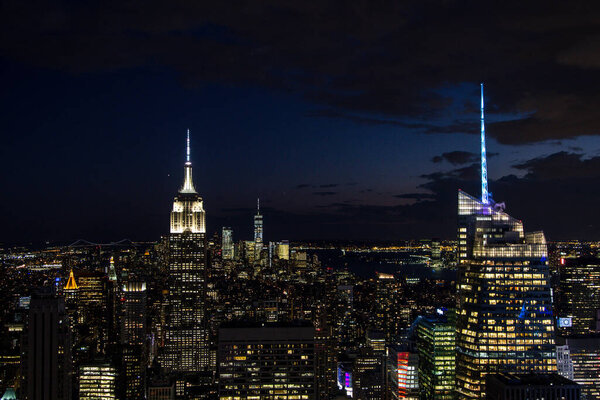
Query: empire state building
<point>186,342</point>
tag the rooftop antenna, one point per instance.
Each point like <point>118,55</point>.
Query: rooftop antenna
<point>484,180</point>
<point>187,160</point>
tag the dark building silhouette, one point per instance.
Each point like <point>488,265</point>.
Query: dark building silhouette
<point>578,297</point>
<point>531,387</point>
<point>47,359</point>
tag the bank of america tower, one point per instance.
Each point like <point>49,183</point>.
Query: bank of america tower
<point>504,318</point>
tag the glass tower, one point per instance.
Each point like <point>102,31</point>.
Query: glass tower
<point>186,343</point>
<point>504,305</point>
<point>436,346</point>
<point>504,321</point>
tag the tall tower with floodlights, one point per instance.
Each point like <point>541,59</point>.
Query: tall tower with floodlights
<point>504,309</point>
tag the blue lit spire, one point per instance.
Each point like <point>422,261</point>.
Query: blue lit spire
<point>187,159</point>
<point>484,180</point>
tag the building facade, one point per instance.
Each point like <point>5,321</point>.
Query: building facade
<point>504,316</point>
<point>578,298</point>
<point>97,381</point>
<point>275,361</point>
<point>436,346</point>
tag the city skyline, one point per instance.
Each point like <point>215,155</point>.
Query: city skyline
<point>362,134</point>
<point>299,200</point>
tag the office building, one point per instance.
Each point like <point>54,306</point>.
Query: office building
<point>504,310</point>
<point>186,343</point>
<point>93,309</point>
<point>133,318</point>
<point>97,381</point>
<point>584,352</point>
<point>578,297</point>
<point>436,346</point>
<point>282,250</point>
<point>531,387</point>
<point>46,361</point>
<point>403,376</point>
<point>227,247</point>
<point>133,340</point>
<point>267,361</point>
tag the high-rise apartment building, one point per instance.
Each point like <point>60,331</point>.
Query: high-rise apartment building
<point>267,361</point>
<point>46,362</point>
<point>186,343</point>
<point>227,248</point>
<point>504,313</point>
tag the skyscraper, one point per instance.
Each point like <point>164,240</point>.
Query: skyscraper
<point>437,347</point>
<point>258,232</point>
<point>186,343</point>
<point>97,381</point>
<point>112,272</point>
<point>227,244</point>
<point>133,339</point>
<point>133,320</point>
<point>504,314</point>
<point>402,369</point>
<point>47,360</point>
<point>584,354</point>
<point>578,300</point>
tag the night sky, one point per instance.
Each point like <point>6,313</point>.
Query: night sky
<point>349,119</point>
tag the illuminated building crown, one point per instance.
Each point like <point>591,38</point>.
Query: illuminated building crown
<point>188,211</point>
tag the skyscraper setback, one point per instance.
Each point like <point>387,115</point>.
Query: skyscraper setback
<point>186,342</point>
<point>504,318</point>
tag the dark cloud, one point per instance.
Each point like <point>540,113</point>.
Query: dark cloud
<point>303,186</point>
<point>456,157</point>
<point>416,196</point>
<point>558,194</point>
<point>373,63</point>
<point>324,193</point>
<point>561,166</point>
<point>329,185</point>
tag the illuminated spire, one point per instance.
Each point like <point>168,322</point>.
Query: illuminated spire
<point>187,159</point>
<point>188,183</point>
<point>258,206</point>
<point>112,272</point>
<point>71,284</point>
<point>484,180</point>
